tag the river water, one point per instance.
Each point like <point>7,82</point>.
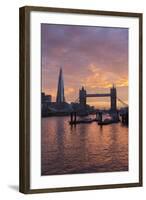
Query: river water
<point>84,148</point>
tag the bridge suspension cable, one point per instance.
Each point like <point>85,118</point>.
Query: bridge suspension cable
<point>121,101</point>
<point>77,100</point>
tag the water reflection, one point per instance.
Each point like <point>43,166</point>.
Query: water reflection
<point>83,148</point>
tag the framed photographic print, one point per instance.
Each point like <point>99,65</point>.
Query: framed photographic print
<point>80,99</point>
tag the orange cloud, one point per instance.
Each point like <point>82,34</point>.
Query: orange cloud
<point>96,81</point>
<point>70,93</point>
<point>103,104</point>
<point>69,90</point>
<point>103,79</point>
<point>50,92</point>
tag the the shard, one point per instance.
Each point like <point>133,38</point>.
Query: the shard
<point>60,91</point>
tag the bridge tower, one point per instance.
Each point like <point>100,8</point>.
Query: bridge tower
<point>113,95</point>
<point>82,96</point>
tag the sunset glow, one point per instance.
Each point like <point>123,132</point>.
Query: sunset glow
<point>93,57</point>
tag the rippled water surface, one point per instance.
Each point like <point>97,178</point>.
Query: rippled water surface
<point>83,148</point>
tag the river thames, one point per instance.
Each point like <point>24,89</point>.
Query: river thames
<point>84,148</point>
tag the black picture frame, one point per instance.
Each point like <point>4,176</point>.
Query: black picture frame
<point>24,143</point>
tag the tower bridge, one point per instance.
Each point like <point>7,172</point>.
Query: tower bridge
<point>83,95</point>
<point>98,95</point>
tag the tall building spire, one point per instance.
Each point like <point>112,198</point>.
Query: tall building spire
<point>60,91</point>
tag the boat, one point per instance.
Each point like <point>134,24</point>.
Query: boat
<point>85,121</point>
<point>107,121</point>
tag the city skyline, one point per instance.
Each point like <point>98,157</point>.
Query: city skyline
<point>93,57</point>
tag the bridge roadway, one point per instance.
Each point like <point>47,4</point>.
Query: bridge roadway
<point>98,95</point>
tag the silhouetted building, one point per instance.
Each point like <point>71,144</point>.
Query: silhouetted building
<point>45,103</point>
<point>60,91</point>
<point>82,96</point>
<point>113,92</point>
<point>46,98</point>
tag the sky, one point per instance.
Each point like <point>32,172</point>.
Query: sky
<point>90,56</point>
